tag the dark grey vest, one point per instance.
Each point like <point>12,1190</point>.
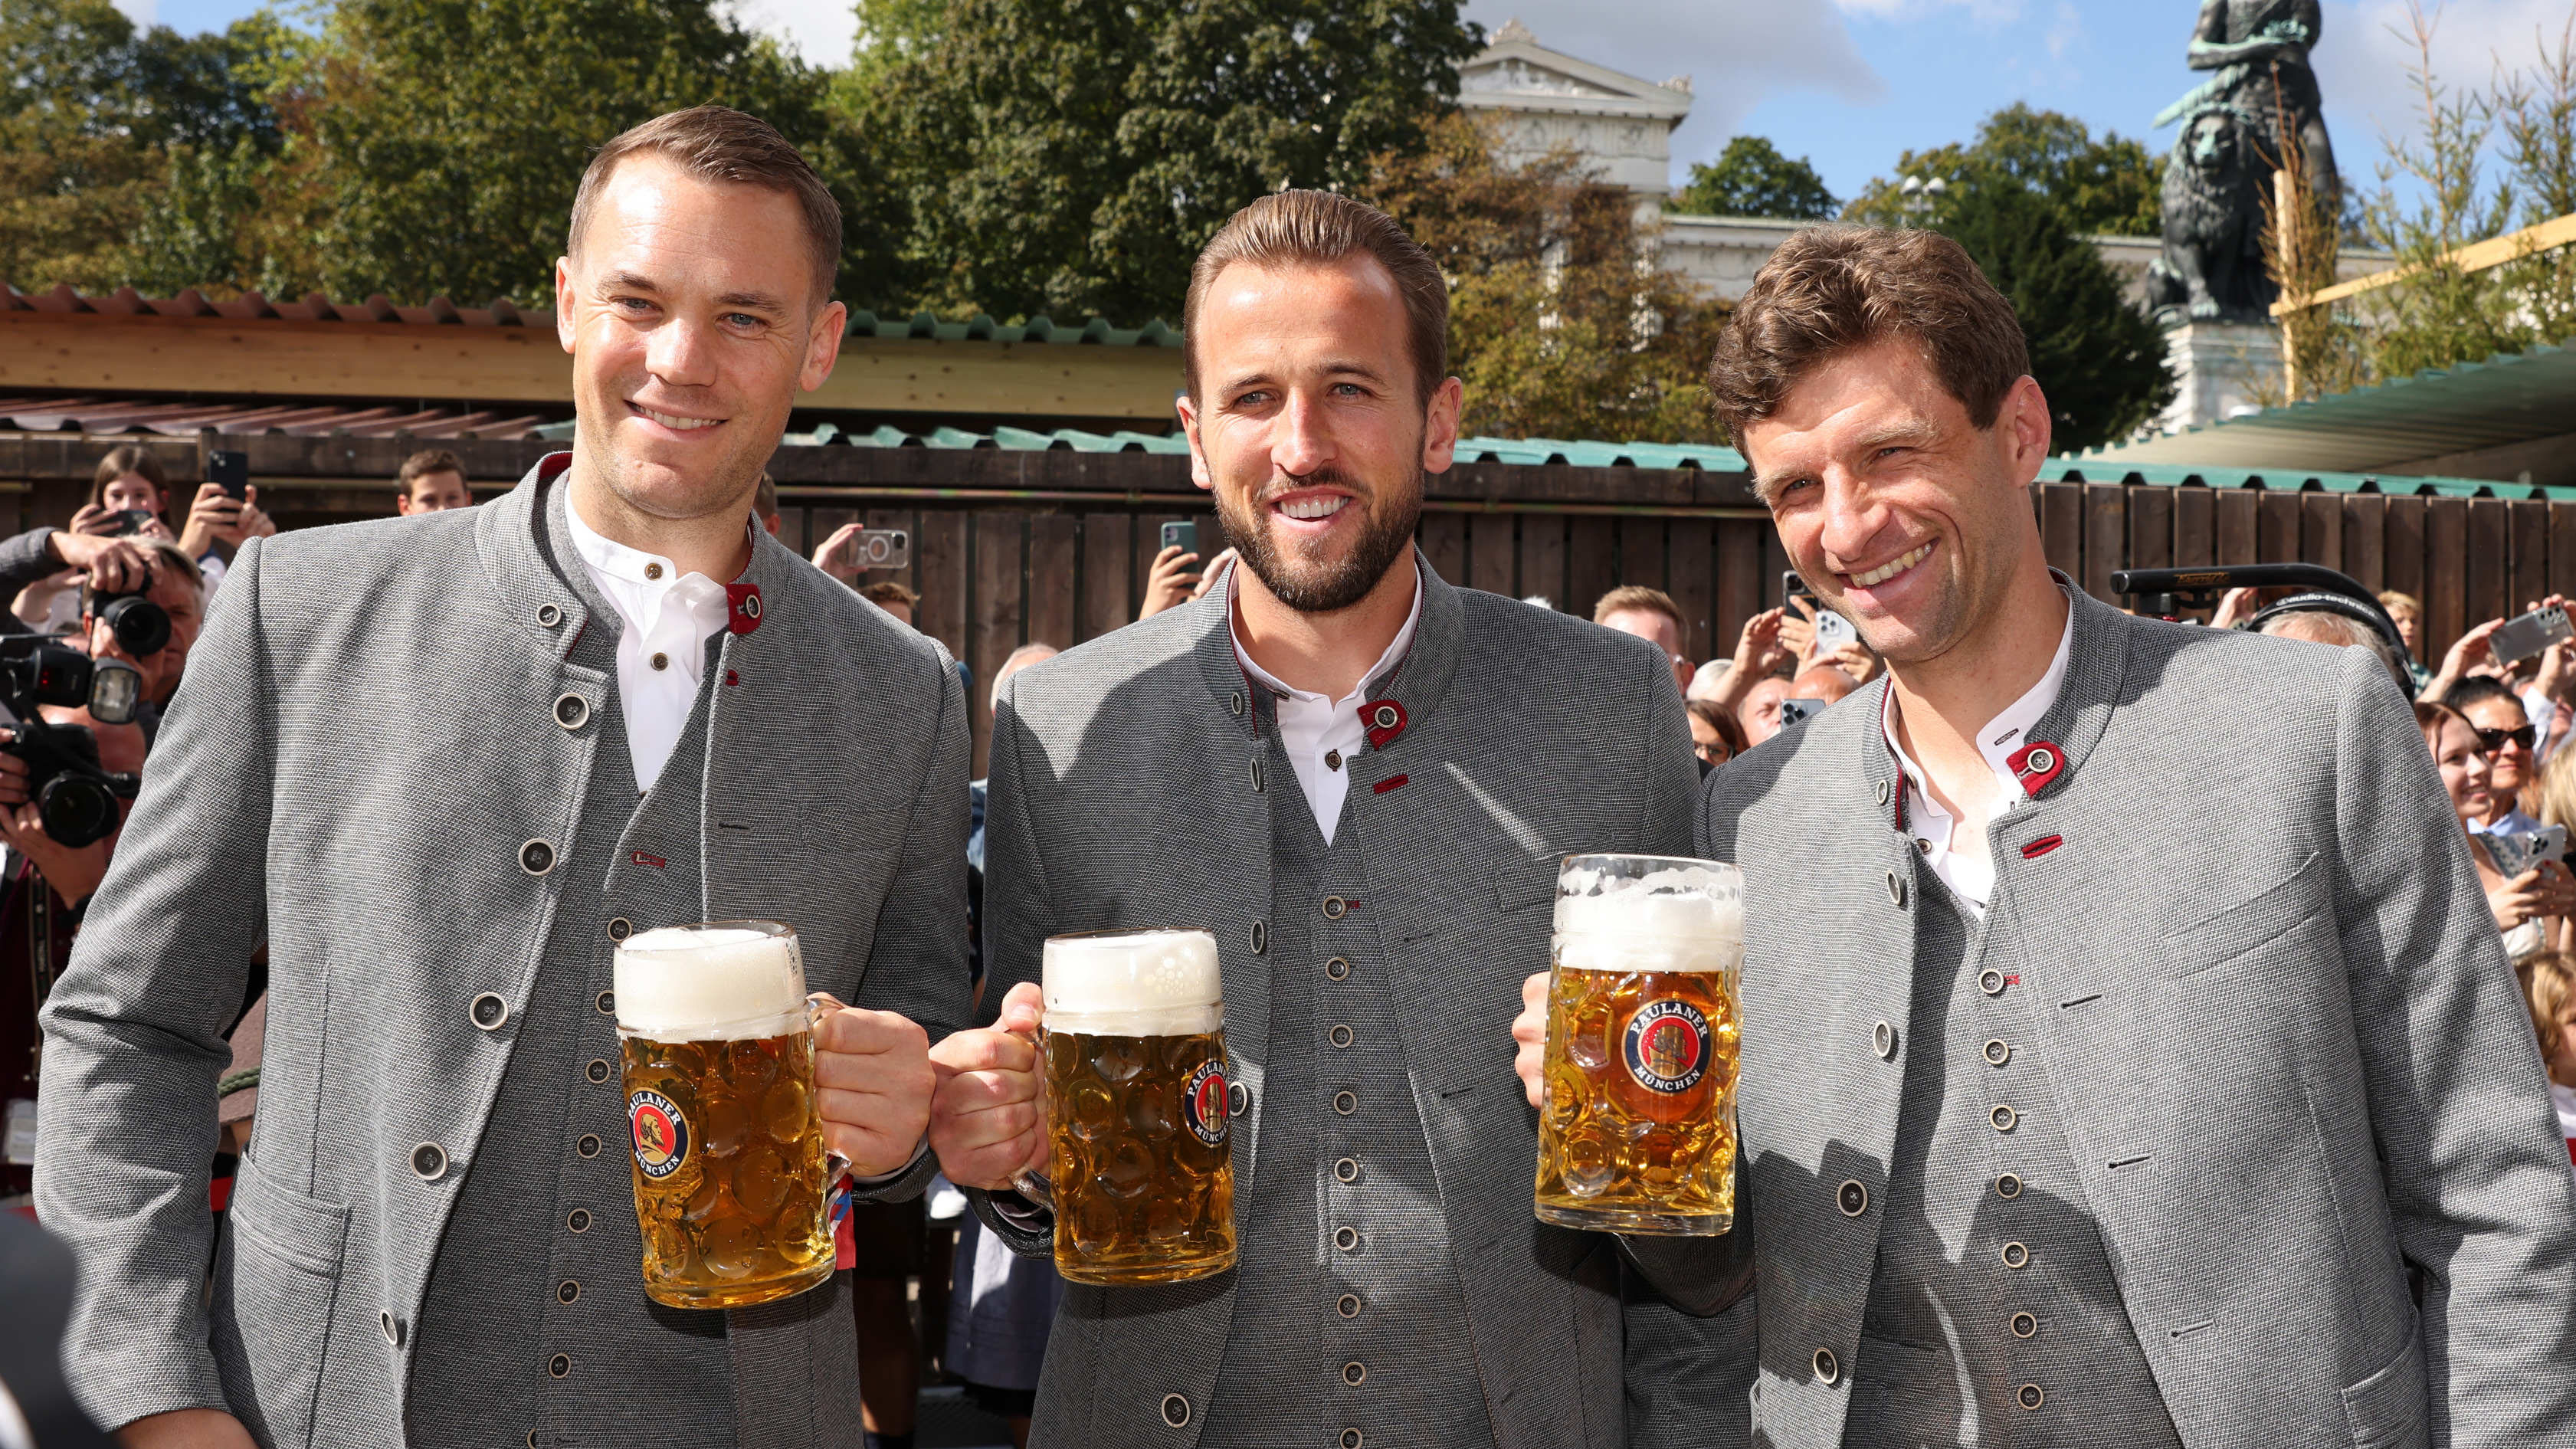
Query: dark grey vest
<point>1993,1316</point>
<point>1348,1313</point>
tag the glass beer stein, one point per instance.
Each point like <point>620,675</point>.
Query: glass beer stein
<point>1141,1175</point>
<point>730,1168</point>
<point>1638,1131</point>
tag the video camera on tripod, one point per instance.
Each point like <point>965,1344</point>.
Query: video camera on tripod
<point>75,796</point>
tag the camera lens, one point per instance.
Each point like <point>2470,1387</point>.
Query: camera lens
<point>142,627</point>
<point>75,811</point>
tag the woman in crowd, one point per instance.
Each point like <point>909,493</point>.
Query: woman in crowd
<point>2549,991</point>
<point>2531,908</point>
<point>129,494</point>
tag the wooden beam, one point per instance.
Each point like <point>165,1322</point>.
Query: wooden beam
<point>2475,257</point>
<point>89,352</point>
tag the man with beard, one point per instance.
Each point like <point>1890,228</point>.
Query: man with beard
<point>1334,763</point>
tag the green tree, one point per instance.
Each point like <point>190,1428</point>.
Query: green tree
<point>1752,178</point>
<point>2113,186</point>
<point>1070,158</point>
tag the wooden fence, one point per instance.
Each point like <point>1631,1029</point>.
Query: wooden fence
<point>1011,547</point>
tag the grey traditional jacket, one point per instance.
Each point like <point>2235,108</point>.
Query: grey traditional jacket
<point>378,755</point>
<point>2301,1105</point>
<point>1136,783</point>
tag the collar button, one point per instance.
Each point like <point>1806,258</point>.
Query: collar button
<point>652,571</point>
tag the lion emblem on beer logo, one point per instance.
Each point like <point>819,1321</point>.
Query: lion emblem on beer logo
<point>1203,1103</point>
<point>1666,1046</point>
<point>661,1134</point>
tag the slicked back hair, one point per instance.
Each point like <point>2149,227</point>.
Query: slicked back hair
<point>1830,290</point>
<point>1322,229</point>
<point>718,143</point>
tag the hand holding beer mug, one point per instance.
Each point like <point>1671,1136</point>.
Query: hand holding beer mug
<point>1637,1115</point>
<point>730,1167</point>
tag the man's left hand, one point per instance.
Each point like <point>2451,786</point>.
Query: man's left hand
<point>872,1078</point>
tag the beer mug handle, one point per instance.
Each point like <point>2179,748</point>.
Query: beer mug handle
<point>820,1004</point>
<point>1028,1182</point>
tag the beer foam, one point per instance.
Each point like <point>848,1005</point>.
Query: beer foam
<point>1687,918</point>
<point>721,984</point>
<point>1139,983</point>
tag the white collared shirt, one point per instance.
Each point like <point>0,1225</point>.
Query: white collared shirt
<point>661,653</point>
<point>1323,735</point>
<point>1970,874</point>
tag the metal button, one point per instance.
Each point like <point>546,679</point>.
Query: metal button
<point>393,1328</point>
<point>1345,1103</point>
<point>532,1439</point>
<point>1256,774</point>
<point>1338,969</point>
<point>1852,1198</point>
<point>1339,1036</point>
<point>1348,1305</point>
<point>577,1221</point>
<point>1335,908</point>
<point>1332,759</point>
<point>1882,792</point>
<point>2003,1118</point>
<point>1346,1238</point>
<point>559,1365</point>
<point>2024,1325</point>
<point>1260,937</point>
<point>1355,1373</point>
<point>536,857</point>
<point>1882,1037</point>
<point>619,928</point>
<point>1991,981</point>
<point>1176,1410</point>
<point>1998,1051</point>
<point>2029,1396</point>
<point>1347,1170</point>
<point>2015,1256</point>
<point>606,1002</point>
<point>588,1146</point>
<point>661,661</point>
<point>652,571</point>
<point>2008,1185</point>
<point>1828,1368</point>
<point>429,1162</point>
<point>1922,845</point>
<point>1234,703</point>
<point>567,1291</point>
<point>1352,1439</point>
<point>1896,889</point>
<point>597,1071</point>
<point>490,1011</point>
<point>572,711</point>
<point>1384,718</point>
<point>1238,1100</point>
<point>548,615</point>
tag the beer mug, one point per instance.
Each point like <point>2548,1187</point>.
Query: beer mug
<point>730,1168</point>
<point>1141,1174</point>
<point>1638,1131</point>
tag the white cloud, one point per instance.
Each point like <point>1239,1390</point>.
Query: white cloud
<point>2067,29</point>
<point>141,12</point>
<point>819,30</point>
<point>2361,65</point>
<point>1917,9</point>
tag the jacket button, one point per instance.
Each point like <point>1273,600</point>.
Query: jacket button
<point>567,1291</point>
<point>619,928</point>
<point>536,857</point>
<point>1896,889</point>
<point>1345,1103</point>
<point>1348,1305</point>
<point>1882,792</point>
<point>572,711</point>
<point>1991,981</point>
<point>490,1011</point>
<point>597,1071</point>
<point>1828,1369</point>
<point>1852,1198</point>
<point>577,1221</point>
<point>1176,1410</point>
<point>606,1002</point>
<point>1234,703</point>
<point>1260,938</point>
<point>429,1162</point>
<point>1338,969</point>
<point>548,616</point>
<point>2015,1256</point>
<point>588,1146</point>
<point>1998,1051</point>
<point>2025,1325</point>
<point>1355,1373</point>
<point>1346,1239</point>
<point>1882,1037</point>
<point>1335,908</point>
<point>393,1328</point>
<point>2003,1118</point>
<point>1238,1100</point>
<point>2008,1185</point>
<point>1347,1170</point>
<point>2029,1396</point>
<point>559,1365</point>
<point>1353,1439</point>
<point>1339,1036</point>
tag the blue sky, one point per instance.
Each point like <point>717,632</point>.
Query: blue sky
<point>1852,83</point>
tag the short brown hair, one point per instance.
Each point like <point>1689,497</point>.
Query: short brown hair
<point>889,592</point>
<point>2393,602</point>
<point>425,462</point>
<point>719,143</point>
<point>128,458</point>
<point>1319,229</point>
<point>1728,727</point>
<point>764,499</point>
<point>2548,979</point>
<point>1829,290</point>
<point>1640,599</point>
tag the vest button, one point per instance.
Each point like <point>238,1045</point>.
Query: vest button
<point>1339,1036</point>
<point>1347,1170</point>
<point>2008,1185</point>
<point>1238,1100</point>
<point>1353,1438</point>
<point>1176,1410</point>
<point>1345,1103</point>
<point>2030,1396</point>
<point>572,711</point>
<point>567,1291</point>
<point>597,1071</point>
<point>429,1162</point>
<point>1991,981</point>
<point>606,1003</point>
<point>1355,1373</point>
<point>1335,908</point>
<point>560,1365</point>
<point>536,857</point>
<point>2003,1118</point>
<point>619,928</point>
<point>490,1011</point>
<point>1852,1198</point>
<point>577,1221</point>
<point>1348,1305</point>
<point>1338,969</point>
<point>1998,1051</point>
<point>588,1146</point>
<point>2015,1256</point>
<point>1828,1368</point>
<point>2025,1325</point>
<point>1346,1239</point>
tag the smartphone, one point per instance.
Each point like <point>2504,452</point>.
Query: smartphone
<point>136,520</point>
<point>884,548</point>
<point>1183,536</point>
<point>1833,631</point>
<point>1799,711</point>
<point>229,471</point>
<point>1792,586</point>
<point>2528,634</point>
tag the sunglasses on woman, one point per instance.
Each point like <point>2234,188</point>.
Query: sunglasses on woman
<point>2495,740</point>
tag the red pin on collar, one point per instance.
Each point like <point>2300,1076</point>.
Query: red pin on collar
<point>1385,720</point>
<point>2036,764</point>
<point>742,607</point>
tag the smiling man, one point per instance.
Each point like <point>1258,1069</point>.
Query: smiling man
<point>2129,1056</point>
<point>1334,762</point>
<point>440,766</point>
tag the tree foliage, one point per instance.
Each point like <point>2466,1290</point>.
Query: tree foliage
<point>2112,186</point>
<point>1752,178</point>
<point>1560,322</point>
<point>1070,158</point>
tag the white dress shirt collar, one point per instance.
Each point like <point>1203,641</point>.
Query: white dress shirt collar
<point>1321,734</point>
<point>1971,874</point>
<point>668,617</point>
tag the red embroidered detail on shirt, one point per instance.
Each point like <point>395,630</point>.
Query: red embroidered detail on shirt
<point>2042,846</point>
<point>742,607</point>
<point>655,861</point>
<point>1392,782</point>
<point>2012,981</point>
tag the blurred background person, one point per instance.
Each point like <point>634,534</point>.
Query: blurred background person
<point>1175,578</point>
<point>764,503</point>
<point>1759,715</point>
<point>431,481</point>
<point>2407,612</point>
<point>894,598</point>
<point>1651,615</point>
<point>2549,993</point>
<point>2341,631</point>
<point>2525,905</point>
<point>2507,735</point>
<point>1716,735</point>
<point>130,480</point>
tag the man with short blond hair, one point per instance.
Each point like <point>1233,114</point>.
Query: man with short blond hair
<point>1651,615</point>
<point>431,481</point>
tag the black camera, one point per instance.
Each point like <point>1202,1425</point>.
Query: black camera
<point>142,627</point>
<point>75,797</point>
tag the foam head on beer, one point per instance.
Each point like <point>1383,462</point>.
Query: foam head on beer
<point>710,983</point>
<point>1680,916</point>
<point>1133,983</point>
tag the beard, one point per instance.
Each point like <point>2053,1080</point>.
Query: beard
<point>1317,586</point>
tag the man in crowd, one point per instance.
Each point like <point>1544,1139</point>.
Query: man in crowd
<point>894,598</point>
<point>1334,761</point>
<point>1651,615</point>
<point>2129,1056</point>
<point>431,481</point>
<point>432,1239</point>
<point>2339,630</point>
<point>112,565</point>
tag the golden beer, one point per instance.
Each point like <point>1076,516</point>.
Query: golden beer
<point>1638,1131</point>
<point>1141,1162</point>
<point>729,1165</point>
